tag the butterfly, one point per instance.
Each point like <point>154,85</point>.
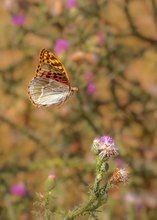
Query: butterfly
<point>51,85</point>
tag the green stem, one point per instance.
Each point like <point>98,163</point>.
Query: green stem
<point>82,209</point>
<point>95,200</point>
<point>99,174</point>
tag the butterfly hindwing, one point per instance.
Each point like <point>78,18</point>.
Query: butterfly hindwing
<point>45,92</point>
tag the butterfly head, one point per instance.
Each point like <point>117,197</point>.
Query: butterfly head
<point>74,89</point>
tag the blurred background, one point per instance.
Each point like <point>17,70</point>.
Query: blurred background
<point>109,49</point>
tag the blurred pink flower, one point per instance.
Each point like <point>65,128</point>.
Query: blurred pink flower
<point>71,3</point>
<point>119,162</point>
<point>9,4</point>
<point>19,190</point>
<point>88,76</point>
<point>51,176</point>
<point>140,207</point>
<point>133,198</point>
<point>100,39</point>
<point>61,45</point>
<point>91,88</point>
<point>18,20</point>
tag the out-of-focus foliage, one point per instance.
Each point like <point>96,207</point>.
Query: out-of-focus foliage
<point>111,56</point>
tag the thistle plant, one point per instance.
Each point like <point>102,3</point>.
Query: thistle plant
<point>104,149</point>
<point>45,201</point>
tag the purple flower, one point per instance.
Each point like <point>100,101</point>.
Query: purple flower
<point>18,20</point>
<point>61,45</point>
<point>139,207</point>
<point>71,3</point>
<point>19,190</point>
<point>106,139</point>
<point>91,88</point>
<point>104,147</point>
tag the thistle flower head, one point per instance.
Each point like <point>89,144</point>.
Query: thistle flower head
<point>18,20</point>
<point>91,88</point>
<point>71,3</point>
<point>119,176</point>
<point>19,190</point>
<point>61,45</point>
<point>105,147</point>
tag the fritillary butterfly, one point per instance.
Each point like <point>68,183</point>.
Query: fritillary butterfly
<point>51,84</point>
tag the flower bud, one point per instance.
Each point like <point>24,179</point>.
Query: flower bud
<point>50,182</point>
<point>104,167</point>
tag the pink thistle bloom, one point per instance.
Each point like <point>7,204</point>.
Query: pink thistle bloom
<point>18,20</point>
<point>88,76</point>
<point>61,45</point>
<point>71,3</point>
<point>104,147</point>
<point>91,88</point>
<point>50,182</point>
<point>19,190</point>
<point>52,176</point>
<point>106,140</point>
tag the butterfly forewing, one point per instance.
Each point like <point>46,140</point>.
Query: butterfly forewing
<point>54,66</point>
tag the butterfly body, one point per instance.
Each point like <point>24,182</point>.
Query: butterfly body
<point>51,84</point>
